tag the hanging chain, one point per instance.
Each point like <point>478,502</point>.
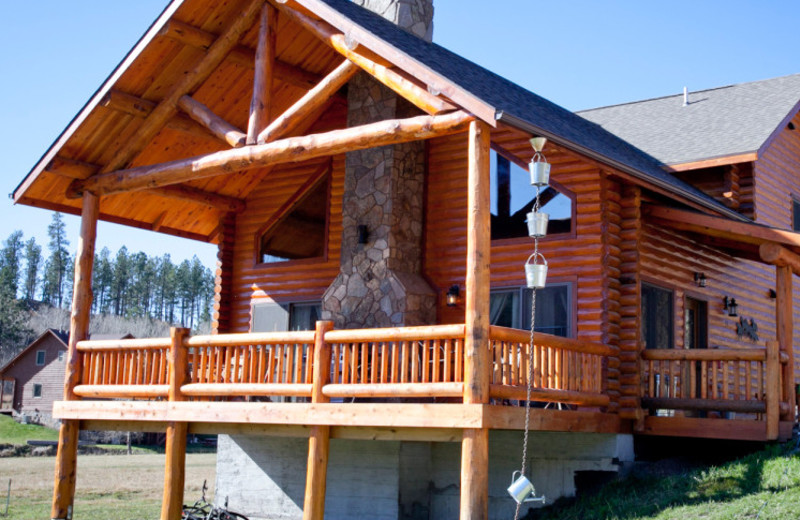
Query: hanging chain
<point>529,387</point>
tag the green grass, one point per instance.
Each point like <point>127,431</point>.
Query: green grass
<point>764,485</point>
<point>11,432</point>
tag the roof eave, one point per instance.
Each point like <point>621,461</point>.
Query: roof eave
<point>526,126</point>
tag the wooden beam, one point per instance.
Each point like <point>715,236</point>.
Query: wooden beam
<point>417,95</point>
<point>241,55</point>
<point>773,390</point>
<point>264,65</point>
<point>220,128</point>
<point>175,447</point>
<point>188,83</point>
<point>710,163</point>
<point>71,168</point>
<point>313,100</point>
<point>733,429</point>
<point>138,107</point>
<point>67,456</point>
<point>320,435</point>
<point>293,149</point>
<point>777,255</point>
<point>475,443</point>
<point>784,314</point>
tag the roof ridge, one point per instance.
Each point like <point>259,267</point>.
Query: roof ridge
<point>657,98</point>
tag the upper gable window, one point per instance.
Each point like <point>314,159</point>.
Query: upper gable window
<point>299,229</point>
<point>512,198</point>
<point>39,358</point>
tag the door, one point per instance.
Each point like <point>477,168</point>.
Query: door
<point>695,324</point>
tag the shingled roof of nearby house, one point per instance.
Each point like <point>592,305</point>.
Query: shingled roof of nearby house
<point>718,122</point>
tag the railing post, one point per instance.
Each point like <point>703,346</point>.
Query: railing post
<point>773,382</point>
<point>319,437</point>
<point>175,450</point>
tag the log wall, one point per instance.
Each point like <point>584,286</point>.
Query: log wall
<point>776,179</point>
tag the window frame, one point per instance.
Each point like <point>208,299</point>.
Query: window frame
<point>62,355</point>
<point>37,386</point>
<point>570,283</point>
<point>657,284</point>
<point>43,354</point>
<point>572,233</point>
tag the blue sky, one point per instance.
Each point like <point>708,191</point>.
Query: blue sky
<point>578,54</point>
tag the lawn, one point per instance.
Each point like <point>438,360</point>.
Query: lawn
<point>109,486</point>
<point>764,485</point>
<point>11,432</point>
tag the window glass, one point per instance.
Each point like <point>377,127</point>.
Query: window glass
<point>657,317</point>
<point>37,390</point>
<point>512,308</point>
<point>512,198</point>
<point>61,355</point>
<point>304,316</point>
<point>795,215</point>
<point>39,357</point>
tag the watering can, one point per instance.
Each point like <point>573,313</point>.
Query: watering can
<point>521,489</point>
<point>537,224</point>
<point>535,273</point>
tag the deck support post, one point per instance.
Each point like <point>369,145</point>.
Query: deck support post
<point>783,325</point>
<point>320,435</point>
<point>773,390</point>
<point>475,442</point>
<point>175,448</point>
<point>67,456</point>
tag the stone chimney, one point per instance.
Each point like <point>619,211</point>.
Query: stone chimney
<point>379,282</point>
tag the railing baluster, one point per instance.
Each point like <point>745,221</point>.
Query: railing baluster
<point>438,348</point>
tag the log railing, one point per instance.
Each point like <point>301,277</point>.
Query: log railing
<point>745,381</point>
<point>408,362</point>
<point>564,370</point>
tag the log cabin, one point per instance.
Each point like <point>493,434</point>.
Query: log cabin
<point>367,191</point>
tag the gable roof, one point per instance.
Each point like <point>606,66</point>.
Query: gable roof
<point>718,122</point>
<point>157,61</point>
<point>61,336</point>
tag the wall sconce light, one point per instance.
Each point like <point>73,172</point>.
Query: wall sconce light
<point>772,294</point>
<point>730,306</point>
<point>363,234</point>
<point>700,279</point>
<point>453,294</point>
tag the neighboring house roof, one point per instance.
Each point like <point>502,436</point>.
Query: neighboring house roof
<point>60,335</point>
<point>718,122</point>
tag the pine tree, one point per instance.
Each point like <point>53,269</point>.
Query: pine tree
<point>119,281</point>
<point>33,261</point>
<point>58,263</point>
<point>11,263</point>
<point>102,276</point>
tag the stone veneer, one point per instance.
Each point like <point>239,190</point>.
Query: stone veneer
<point>379,282</point>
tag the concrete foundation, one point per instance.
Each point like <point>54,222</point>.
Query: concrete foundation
<point>264,477</point>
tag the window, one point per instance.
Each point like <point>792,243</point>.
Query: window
<point>299,228</point>
<point>37,390</point>
<point>61,355</point>
<point>795,214</point>
<point>270,316</point>
<point>512,198</point>
<point>658,317</point>
<point>39,358</point>
<point>512,308</point>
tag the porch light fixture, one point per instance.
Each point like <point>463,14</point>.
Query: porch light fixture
<point>700,279</point>
<point>730,306</point>
<point>772,294</point>
<point>453,294</point>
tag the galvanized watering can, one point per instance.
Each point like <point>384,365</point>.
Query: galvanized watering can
<point>540,170</point>
<point>521,489</point>
<point>537,224</point>
<point>536,273</point>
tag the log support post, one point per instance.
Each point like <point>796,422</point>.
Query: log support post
<point>319,438</point>
<point>260,103</point>
<point>783,324</point>
<point>175,449</point>
<point>67,456</point>
<point>475,442</point>
<point>773,390</point>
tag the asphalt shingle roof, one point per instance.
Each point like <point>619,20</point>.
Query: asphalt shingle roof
<point>511,99</point>
<point>716,123</point>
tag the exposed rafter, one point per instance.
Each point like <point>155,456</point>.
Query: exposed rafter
<point>241,55</point>
<point>211,121</point>
<point>261,101</point>
<point>415,94</point>
<point>292,149</point>
<point>188,83</point>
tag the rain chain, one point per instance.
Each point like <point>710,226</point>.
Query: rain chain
<point>521,489</point>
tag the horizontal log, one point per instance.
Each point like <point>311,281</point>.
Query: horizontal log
<point>245,389</point>
<point>749,354</point>
<point>497,333</point>
<point>775,254</point>
<point>241,55</point>
<point>122,391</point>
<point>548,395</point>
<point>207,198</point>
<point>254,338</point>
<point>402,390</point>
<point>722,405</point>
<point>396,334</point>
<point>292,149</point>
<point>124,344</point>
<point>220,128</point>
